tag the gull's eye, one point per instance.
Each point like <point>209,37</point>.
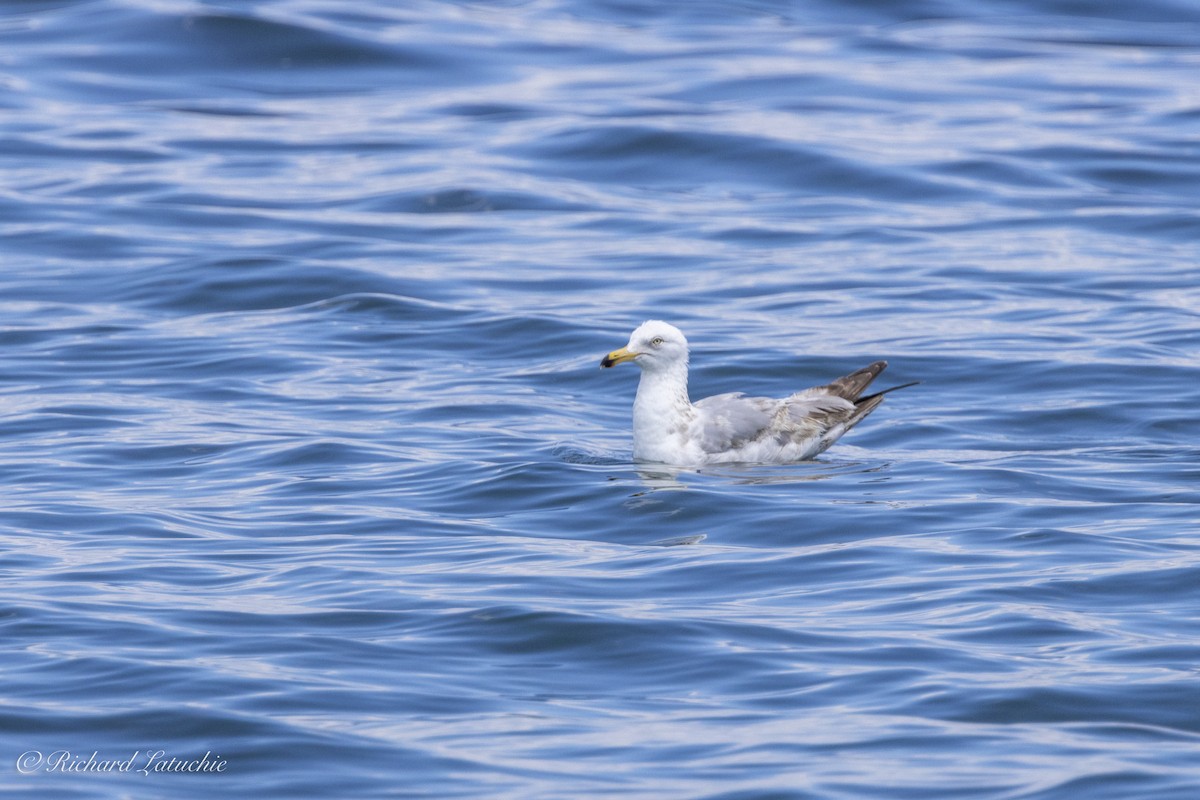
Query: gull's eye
<point>657,341</point>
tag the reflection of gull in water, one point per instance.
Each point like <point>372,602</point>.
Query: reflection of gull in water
<point>670,429</point>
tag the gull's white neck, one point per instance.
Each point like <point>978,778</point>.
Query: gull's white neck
<point>662,414</point>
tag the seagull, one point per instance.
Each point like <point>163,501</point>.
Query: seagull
<point>729,428</point>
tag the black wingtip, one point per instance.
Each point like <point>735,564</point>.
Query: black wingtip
<point>886,391</point>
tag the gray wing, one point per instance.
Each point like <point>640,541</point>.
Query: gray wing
<point>727,421</point>
<point>731,421</point>
<point>813,418</point>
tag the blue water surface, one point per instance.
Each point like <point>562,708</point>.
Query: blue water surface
<point>313,484</point>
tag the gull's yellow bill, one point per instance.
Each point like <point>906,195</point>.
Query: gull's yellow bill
<point>619,356</point>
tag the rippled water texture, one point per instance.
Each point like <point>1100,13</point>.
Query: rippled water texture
<point>310,469</point>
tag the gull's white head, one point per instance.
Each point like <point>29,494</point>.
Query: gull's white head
<point>654,346</point>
